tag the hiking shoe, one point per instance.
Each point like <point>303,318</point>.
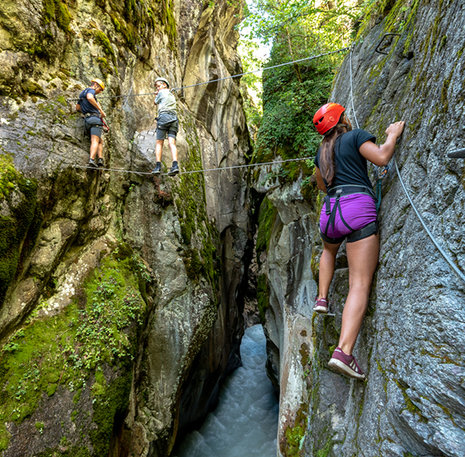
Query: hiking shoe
<point>346,365</point>
<point>100,162</point>
<point>92,163</point>
<point>174,170</point>
<point>321,305</point>
<point>157,169</point>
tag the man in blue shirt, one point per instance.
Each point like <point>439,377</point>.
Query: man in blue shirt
<point>93,113</point>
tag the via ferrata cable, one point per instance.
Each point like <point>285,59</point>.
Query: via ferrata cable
<point>460,274</point>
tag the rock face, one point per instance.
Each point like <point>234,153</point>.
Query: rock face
<point>164,257</point>
<point>411,340</point>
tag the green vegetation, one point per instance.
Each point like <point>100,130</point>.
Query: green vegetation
<point>15,225</point>
<point>71,348</point>
<point>251,84</point>
<point>266,218</point>
<point>74,451</point>
<point>292,445</point>
<point>199,236</point>
<point>263,296</point>
<point>326,449</point>
<point>103,40</point>
<point>9,176</point>
<point>57,11</point>
<point>136,20</point>
<point>292,93</point>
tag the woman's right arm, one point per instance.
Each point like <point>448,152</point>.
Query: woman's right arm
<point>381,155</point>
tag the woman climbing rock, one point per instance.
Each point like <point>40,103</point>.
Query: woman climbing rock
<point>348,213</point>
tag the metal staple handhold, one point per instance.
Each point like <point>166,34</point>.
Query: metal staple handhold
<point>382,39</point>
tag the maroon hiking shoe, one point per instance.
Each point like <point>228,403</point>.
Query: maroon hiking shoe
<point>321,305</point>
<point>346,365</point>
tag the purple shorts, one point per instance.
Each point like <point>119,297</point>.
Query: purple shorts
<point>355,212</point>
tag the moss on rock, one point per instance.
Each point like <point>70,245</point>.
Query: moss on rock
<point>103,40</point>
<point>57,11</point>
<point>263,295</point>
<point>16,220</point>
<point>266,218</point>
<point>67,349</point>
<point>294,435</point>
<point>199,235</point>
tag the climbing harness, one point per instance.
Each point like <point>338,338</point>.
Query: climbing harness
<point>338,192</point>
<point>457,153</point>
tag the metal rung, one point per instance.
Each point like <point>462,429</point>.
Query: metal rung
<point>381,42</point>
<point>457,154</point>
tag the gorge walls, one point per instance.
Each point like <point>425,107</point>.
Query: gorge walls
<point>120,294</point>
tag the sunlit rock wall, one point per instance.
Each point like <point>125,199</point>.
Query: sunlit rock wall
<point>179,245</point>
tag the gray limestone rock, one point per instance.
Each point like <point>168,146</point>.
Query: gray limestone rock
<point>187,238</point>
<point>412,340</point>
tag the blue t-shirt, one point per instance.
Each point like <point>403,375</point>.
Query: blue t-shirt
<point>86,106</point>
<point>351,166</point>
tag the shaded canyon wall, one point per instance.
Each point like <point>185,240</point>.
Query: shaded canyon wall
<point>121,294</point>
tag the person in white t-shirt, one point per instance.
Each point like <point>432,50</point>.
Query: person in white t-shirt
<point>167,125</point>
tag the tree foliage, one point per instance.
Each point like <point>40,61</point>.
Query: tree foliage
<point>251,83</point>
<point>297,29</point>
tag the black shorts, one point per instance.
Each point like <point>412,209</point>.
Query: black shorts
<point>94,126</point>
<point>167,124</point>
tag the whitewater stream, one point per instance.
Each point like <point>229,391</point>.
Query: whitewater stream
<point>245,422</point>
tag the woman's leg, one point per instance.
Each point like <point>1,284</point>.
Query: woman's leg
<point>362,257</point>
<point>326,272</point>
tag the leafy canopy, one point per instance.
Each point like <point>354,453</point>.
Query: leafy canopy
<point>296,29</point>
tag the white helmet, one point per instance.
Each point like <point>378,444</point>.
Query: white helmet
<point>163,80</point>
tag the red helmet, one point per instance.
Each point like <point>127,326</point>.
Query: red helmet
<point>327,117</point>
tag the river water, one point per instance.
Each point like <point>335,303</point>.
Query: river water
<point>245,422</point>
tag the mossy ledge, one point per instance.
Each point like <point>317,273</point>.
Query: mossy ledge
<point>199,235</point>
<point>87,347</point>
<point>16,218</point>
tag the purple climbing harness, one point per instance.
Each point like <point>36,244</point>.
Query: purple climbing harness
<point>348,212</point>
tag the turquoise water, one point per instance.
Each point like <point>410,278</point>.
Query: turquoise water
<point>246,420</point>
